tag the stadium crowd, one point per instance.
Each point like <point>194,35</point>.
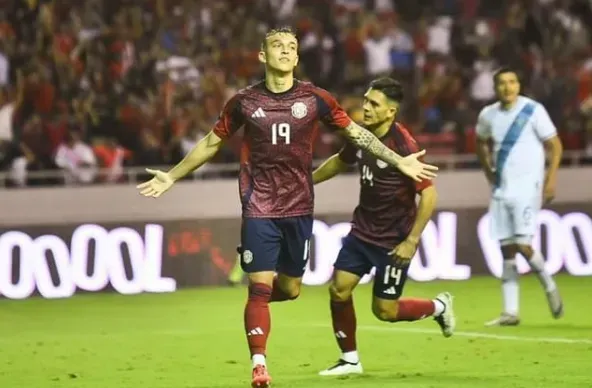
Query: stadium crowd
<point>107,84</point>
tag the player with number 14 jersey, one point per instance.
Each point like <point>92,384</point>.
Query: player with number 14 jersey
<point>386,229</point>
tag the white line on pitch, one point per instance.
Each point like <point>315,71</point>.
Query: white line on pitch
<point>474,334</point>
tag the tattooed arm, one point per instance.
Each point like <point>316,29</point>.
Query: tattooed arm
<point>333,115</point>
<point>364,139</point>
<point>409,165</point>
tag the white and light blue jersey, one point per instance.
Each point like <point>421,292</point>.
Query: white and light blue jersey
<point>519,154</point>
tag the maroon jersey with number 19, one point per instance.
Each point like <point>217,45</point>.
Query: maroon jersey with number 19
<point>386,210</point>
<point>276,159</point>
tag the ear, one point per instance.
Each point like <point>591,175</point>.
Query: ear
<point>393,110</point>
<point>262,57</point>
<point>296,62</point>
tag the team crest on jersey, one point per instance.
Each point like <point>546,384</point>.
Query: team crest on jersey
<point>299,110</point>
<point>247,256</point>
<point>381,164</point>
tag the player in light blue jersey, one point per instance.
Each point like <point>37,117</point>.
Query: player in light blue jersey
<point>519,129</point>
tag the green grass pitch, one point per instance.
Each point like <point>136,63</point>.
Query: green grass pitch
<point>194,338</point>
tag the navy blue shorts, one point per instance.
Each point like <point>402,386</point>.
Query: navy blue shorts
<point>276,244</point>
<point>358,257</point>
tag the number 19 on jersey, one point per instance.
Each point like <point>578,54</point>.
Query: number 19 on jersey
<point>280,132</point>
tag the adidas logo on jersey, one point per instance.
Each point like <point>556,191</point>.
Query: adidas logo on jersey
<point>390,291</point>
<point>258,113</point>
<point>255,331</point>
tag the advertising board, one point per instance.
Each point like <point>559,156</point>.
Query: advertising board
<point>57,261</point>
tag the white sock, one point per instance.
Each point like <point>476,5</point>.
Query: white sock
<point>537,263</point>
<point>439,307</point>
<point>510,288</point>
<point>258,359</point>
<point>351,357</point>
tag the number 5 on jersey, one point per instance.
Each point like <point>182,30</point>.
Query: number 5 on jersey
<point>280,131</point>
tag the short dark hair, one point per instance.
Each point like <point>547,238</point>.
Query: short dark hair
<point>390,87</point>
<point>279,30</point>
<point>504,70</point>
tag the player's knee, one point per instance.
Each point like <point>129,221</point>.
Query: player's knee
<point>525,250</point>
<point>384,312</point>
<point>292,292</point>
<point>509,250</point>
<point>288,288</point>
<point>339,294</point>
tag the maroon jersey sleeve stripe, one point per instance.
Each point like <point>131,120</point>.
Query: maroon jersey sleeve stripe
<point>408,146</point>
<point>230,119</point>
<point>330,112</point>
<point>404,142</point>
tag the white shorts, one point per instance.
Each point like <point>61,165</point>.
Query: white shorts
<point>514,219</point>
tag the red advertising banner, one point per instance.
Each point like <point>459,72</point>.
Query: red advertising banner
<point>57,261</point>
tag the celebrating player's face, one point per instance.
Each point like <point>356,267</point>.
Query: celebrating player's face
<point>507,87</point>
<point>377,108</point>
<point>281,52</point>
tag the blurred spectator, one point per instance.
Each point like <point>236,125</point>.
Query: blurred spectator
<point>378,46</point>
<point>142,81</point>
<point>76,159</point>
<point>111,157</point>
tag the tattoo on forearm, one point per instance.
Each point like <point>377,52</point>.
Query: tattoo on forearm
<point>362,138</point>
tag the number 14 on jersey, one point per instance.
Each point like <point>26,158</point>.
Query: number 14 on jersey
<point>280,132</point>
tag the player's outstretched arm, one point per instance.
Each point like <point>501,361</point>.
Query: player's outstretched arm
<point>328,169</point>
<point>203,151</point>
<point>408,165</point>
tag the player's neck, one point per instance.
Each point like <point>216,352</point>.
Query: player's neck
<point>381,130</point>
<point>507,105</point>
<point>279,83</point>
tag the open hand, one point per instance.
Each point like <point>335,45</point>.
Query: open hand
<point>414,168</point>
<point>156,186</point>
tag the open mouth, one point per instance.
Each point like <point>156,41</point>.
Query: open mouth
<point>284,60</point>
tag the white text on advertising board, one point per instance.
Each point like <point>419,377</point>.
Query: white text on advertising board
<point>72,264</point>
<point>439,242</point>
<point>567,244</point>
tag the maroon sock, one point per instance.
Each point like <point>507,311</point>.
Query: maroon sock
<point>277,294</point>
<point>343,316</point>
<point>412,309</point>
<point>257,317</point>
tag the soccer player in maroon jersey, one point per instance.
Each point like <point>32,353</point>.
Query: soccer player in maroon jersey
<point>385,233</point>
<point>280,118</point>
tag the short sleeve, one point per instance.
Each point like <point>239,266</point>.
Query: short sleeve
<point>330,112</point>
<point>347,154</point>
<point>483,129</point>
<point>544,127</point>
<point>230,119</point>
<point>424,184</point>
